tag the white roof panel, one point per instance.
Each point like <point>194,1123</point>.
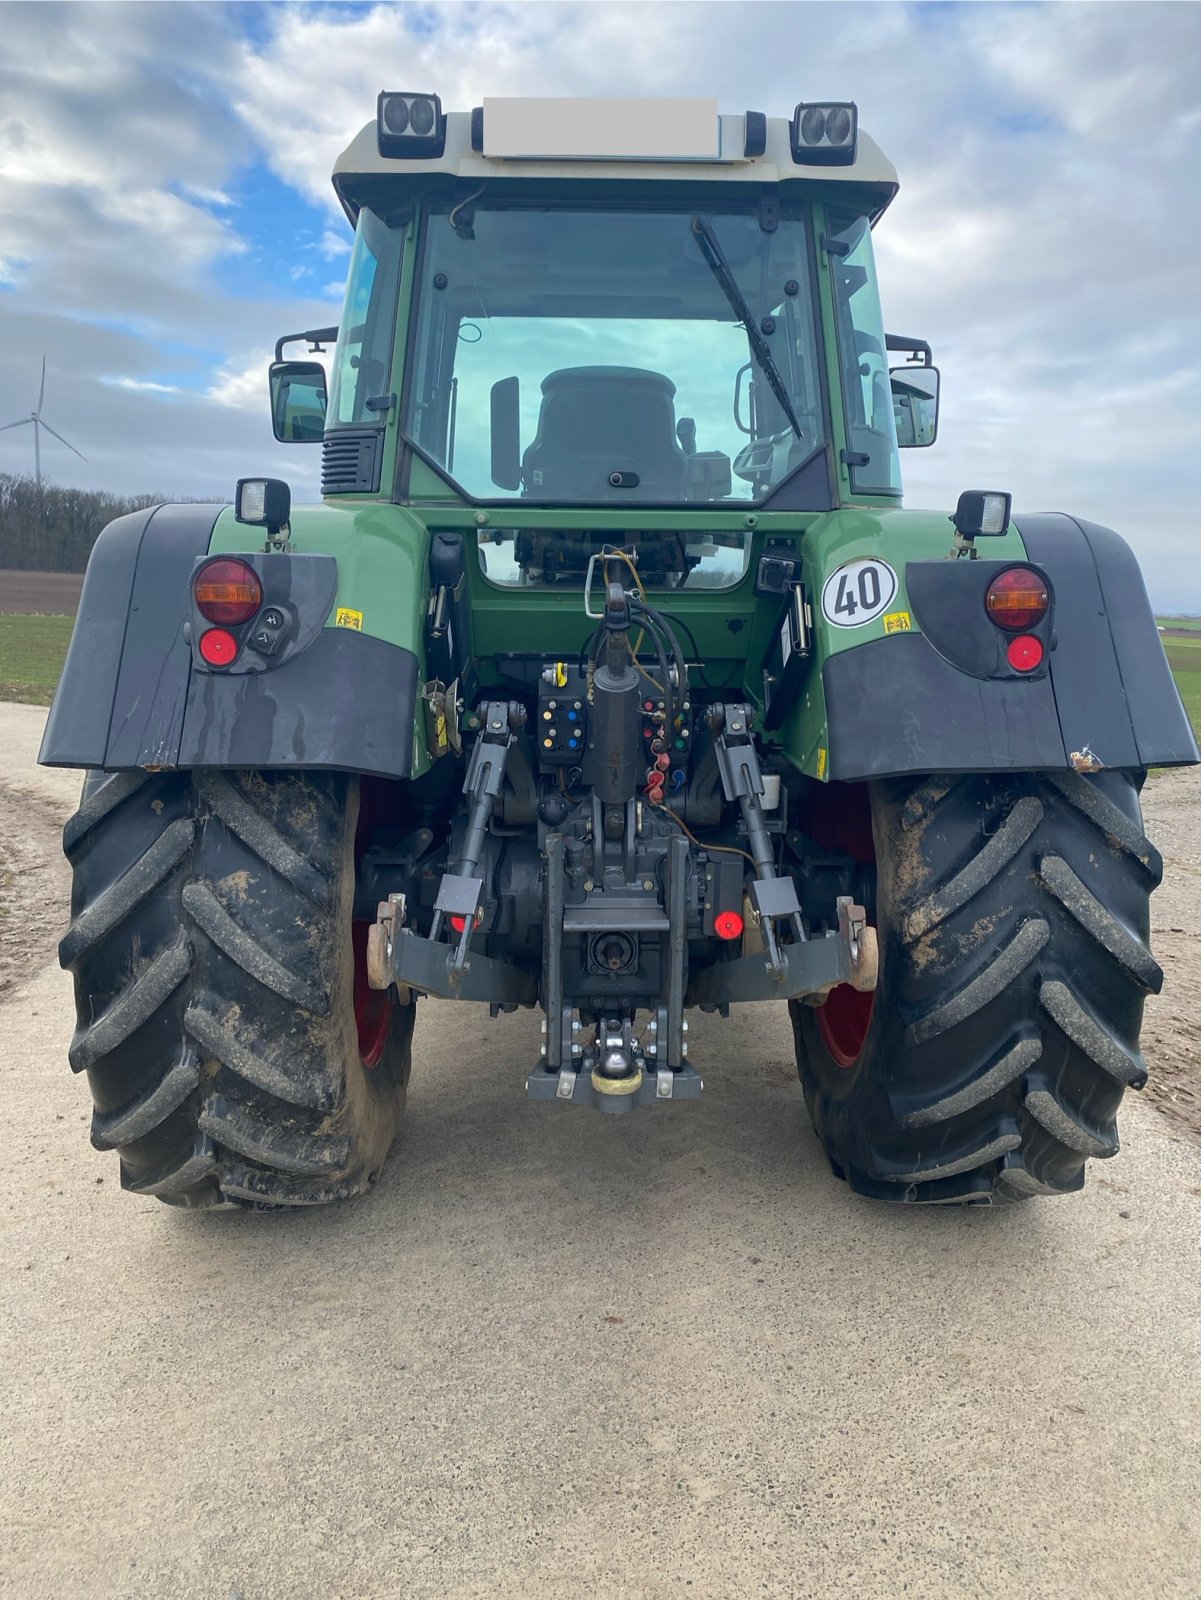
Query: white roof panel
<point>602,130</point>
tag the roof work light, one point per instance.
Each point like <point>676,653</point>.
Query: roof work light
<point>410,125</point>
<point>825,134</point>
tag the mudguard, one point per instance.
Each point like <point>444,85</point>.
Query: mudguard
<point>134,694</point>
<point>943,700</point>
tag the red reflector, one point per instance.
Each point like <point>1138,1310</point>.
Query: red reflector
<point>458,923</point>
<point>227,591</point>
<point>727,925</point>
<point>1017,599</point>
<point>1025,653</point>
<point>217,647</point>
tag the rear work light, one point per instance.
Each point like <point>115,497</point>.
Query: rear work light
<point>825,134</point>
<point>227,591</point>
<point>409,125</point>
<point>1017,599</point>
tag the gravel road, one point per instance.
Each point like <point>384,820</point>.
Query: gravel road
<point>556,1354</point>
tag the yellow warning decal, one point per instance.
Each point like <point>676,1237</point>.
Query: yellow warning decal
<point>821,761</point>
<point>898,622</point>
<point>349,619</point>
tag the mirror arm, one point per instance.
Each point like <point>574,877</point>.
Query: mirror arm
<point>914,347</point>
<point>316,337</point>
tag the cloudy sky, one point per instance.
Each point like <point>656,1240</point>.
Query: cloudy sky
<point>165,213</point>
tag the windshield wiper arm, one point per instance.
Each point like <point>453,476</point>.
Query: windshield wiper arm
<point>715,256</point>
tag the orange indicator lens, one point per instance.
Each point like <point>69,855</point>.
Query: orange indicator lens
<point>1017,599</point>
<point>227,591</point>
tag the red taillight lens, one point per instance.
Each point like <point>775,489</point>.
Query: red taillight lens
<point>1025,653</point>
<point>227,591</point>
<point>1017,599</point>
<point>218,647</point>
<point>727,925</point>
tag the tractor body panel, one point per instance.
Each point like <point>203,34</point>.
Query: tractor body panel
<point>905,691</point>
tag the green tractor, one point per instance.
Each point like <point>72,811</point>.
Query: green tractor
<point>610,678</point>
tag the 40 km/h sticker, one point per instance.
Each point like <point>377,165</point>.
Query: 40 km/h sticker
<point>858,592</point>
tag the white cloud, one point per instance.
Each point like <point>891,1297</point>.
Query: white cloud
<point>1045,240</point>
<point>332,245</point>
<point>141,385</point>
<point>242,383</point>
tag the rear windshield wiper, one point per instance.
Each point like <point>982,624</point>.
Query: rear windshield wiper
<point>715,256</point>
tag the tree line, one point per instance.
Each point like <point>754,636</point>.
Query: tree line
<point>51,529</point>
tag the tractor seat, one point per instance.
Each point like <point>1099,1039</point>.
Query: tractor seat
<point>598,421</point>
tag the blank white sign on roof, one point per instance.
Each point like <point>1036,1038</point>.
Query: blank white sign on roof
<point>602,130</point>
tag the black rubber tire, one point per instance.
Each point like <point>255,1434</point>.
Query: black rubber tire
<point>1013,921</point>
<point>210,941</point>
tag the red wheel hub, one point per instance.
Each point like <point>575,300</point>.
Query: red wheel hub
<point>373,1008</point>
<point>843,1023</point>
<point>841,819</point>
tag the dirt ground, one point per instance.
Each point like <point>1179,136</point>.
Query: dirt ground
<point>52,594</point>
<point>35,887</point>
<point>554,1355</point>
<point>1172,1020</point>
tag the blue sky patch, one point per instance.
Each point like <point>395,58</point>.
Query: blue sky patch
<point>282,232</point>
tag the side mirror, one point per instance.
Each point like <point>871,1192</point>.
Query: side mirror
<point>915,405</point>
<point>506,433</point>
<point>298,398</point>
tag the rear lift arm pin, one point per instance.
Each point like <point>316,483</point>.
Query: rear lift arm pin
<point>461,891</point>
<point>771,895</point>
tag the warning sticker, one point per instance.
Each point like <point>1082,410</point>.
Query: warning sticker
<point>898,622</point>
<point>821,762</point>
<point>349,619</point>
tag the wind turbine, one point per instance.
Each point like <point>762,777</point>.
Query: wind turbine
<point>39,421</point>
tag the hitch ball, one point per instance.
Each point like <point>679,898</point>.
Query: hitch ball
<point>616,1064</point>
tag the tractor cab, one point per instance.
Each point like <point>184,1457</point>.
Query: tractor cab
<point>621,307</point>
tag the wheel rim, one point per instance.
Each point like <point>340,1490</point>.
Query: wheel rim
<point>373,1008</point>
<point>844,1021</point>
<point>841,819</point>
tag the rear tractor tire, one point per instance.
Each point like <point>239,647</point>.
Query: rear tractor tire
<point>1013,921</point>
<point>234,1051</point>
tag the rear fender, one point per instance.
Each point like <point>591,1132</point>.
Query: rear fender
<point>341,694</point>
<point>925,687</point>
